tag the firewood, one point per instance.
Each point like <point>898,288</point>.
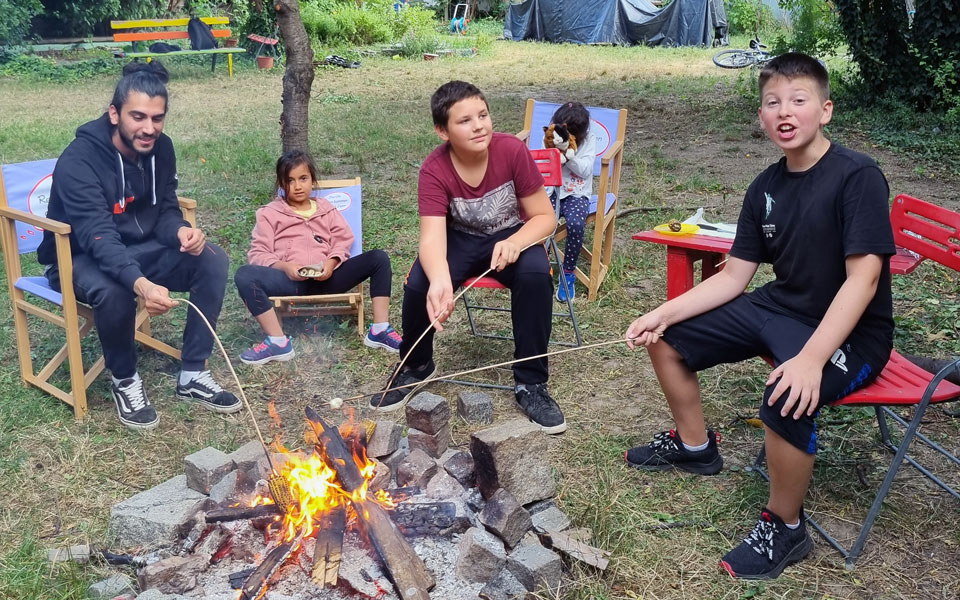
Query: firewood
<point>402,565</point>
<point>236,513</point>
<point>326,553</point>
<point>256,581</point>
<point>575,549</point>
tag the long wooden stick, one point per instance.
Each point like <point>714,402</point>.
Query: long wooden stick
<point>436,320</point>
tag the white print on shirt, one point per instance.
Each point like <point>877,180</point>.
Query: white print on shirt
<point>839,360</point>
<point>770,203</point>
<point>769,229</point>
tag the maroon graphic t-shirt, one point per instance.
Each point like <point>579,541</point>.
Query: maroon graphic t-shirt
<point>489,207</point>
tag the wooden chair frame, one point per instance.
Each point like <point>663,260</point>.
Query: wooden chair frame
<point>71,312</point>
<point>604,219</point>
<point>348,303</point>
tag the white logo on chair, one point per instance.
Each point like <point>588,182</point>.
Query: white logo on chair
<point>602,134</point>
<point>340,200</point>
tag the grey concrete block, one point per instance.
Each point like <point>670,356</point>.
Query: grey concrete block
<point>475,407</point>
<point>504,516</point>
<point>513,456</point>
<point>504,587</point>
<point>393,460</point>
<point>385,439</point>
<point>158,516</point>
<point>551,520</point>
<point>480,556</point>
<point>110,588</point>
<point>434,444</point>
<point>428,412</point>
<point>205,468</point>
<point>536,567</point>
<point>174,575</point>
<point>460,466</point>
<point>416,469</point>
<point>442,486</point>
<point>223,490</point>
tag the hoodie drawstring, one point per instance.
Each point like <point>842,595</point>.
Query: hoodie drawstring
<point>153,177</point>
<point>123,181</point>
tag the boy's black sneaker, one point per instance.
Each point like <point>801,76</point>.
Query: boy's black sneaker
<point>540,407</point>
<point>666,451</point>
<point>207,392</point>
<point>397,399</point>
<point>769,549</point>
<point>133,407</point>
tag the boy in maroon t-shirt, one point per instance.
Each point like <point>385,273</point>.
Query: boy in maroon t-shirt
<point>472,192</point>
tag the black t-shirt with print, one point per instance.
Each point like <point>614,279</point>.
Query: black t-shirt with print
<point>806,224</point>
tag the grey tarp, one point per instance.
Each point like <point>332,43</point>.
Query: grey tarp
<point>622,22</point>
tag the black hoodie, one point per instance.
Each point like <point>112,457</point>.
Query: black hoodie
<point>120,213</point>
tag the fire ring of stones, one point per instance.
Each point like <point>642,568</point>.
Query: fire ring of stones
<point>373,515</point>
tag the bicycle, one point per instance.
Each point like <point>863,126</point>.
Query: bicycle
<point>738,59</point>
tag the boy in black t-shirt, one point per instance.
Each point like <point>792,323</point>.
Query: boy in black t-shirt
<point>820,217</point>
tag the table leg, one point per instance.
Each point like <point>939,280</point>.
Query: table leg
<point>711,264</point>
<point>679,271</point>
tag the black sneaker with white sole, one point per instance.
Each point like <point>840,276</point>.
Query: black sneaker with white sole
<point>133,407</point>
<point>540,407</point>
<point>666,451</point>
<point>397,399</point>
<point>206,391</point>
<point>769,549</point>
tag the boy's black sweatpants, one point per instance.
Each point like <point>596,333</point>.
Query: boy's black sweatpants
<point>115,306</point>
<point>531,297</point>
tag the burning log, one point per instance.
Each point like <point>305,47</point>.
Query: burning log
<point>257,581</point>
<point>405,568</point>
<point>326,554</point>
<point>426,518</point>
<point>237,513</point>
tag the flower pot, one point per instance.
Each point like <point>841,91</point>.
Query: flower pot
<point>430,56</point>
<point>265,62</point>
<point>230,42</point>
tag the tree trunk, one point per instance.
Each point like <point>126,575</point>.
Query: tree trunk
<point>297,76</point>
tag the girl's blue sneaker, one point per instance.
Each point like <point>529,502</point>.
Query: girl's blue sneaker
<point>388,339</point>
<point>571,278</point>
<point>267,351</point>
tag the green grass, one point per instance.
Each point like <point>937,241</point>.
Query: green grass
<point>691,141</point>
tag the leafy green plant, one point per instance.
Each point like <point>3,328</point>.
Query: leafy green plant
<point>15,17</point>
<point>418,45</point>
<point>749,16</point>
<point>36,68</point>
<point>814,29</point>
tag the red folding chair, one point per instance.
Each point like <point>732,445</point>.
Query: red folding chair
<point>931,232</point>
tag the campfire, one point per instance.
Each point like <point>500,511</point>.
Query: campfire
<point>317,496</point>
<point>367,510</point>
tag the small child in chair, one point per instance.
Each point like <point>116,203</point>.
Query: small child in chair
<point>574,193</point>
<point>301,246</point>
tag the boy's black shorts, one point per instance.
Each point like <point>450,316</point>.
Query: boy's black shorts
<point>743,329</point>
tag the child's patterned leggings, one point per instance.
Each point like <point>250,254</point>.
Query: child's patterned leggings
<point>574,211</point>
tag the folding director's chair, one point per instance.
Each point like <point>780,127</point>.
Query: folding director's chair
<point>24,194</point>
<point>346,196</point>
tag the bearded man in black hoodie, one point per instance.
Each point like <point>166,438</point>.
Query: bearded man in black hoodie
<point>116,186</point>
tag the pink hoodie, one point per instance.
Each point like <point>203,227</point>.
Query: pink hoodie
<point>282,235</point>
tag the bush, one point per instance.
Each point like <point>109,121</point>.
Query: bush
<point>814,29</point>
<point>749,16</point>
<point>15,17</point>
<point>37,68</point>
<point>329,22</point>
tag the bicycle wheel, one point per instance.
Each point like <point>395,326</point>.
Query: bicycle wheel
<point>734,59</point>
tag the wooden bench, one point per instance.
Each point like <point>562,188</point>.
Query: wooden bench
<point>136,37</point>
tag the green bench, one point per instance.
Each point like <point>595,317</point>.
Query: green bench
<point>169,29</point>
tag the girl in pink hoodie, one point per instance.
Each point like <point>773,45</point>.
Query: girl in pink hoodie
<point>294,231</point>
